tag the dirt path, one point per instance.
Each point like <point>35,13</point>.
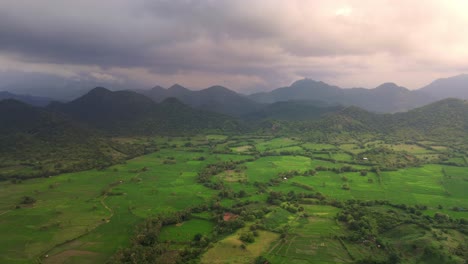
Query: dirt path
<point>72,252</point>
<point>65,255</point>
<point>5,212</point>
<point>107,207</point>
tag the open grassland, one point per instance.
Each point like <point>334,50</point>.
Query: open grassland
<point>88,207</point>
<point>85,217</point>
<point>311,239</point>
<point>277,143</point>
<point>318,147</point>
<point>229,249</point>
<point>413,149</point>
<point>186,231</point>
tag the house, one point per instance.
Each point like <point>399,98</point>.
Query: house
<point>229,216</point>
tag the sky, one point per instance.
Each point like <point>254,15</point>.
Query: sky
<point>245,45</point>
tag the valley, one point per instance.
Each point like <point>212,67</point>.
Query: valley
<point>233,132</point>
<point>245,198</point>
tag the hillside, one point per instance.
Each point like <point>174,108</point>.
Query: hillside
<point>35,142</point>
<point>130,113</point>
<point>216,98</point>
<point>28,99</point>
<point>443,119</point>
<point>456,87</point>
<point>292,110</point>
<point>386,98</point>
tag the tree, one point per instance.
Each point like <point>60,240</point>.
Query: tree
<point>28,200</point>
<point>261,260</point>
<point>247,237</point>
<point>197,237</point>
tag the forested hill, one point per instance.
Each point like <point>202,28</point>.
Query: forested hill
<point>445,118</point>
<point>37,142</point>
<point>130,113</point>
<point>293,110</point>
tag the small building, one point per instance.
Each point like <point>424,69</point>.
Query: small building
<point>229,216</point>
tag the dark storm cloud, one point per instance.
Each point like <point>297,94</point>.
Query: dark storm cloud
<point>262,42</point>
<point>149,37</point>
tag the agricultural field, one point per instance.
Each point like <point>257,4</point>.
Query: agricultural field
<point>222,199</point>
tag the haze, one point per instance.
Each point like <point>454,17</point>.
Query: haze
<point>244,45</point>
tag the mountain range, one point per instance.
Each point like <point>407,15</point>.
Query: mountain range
<point>130,113</point>
<point>216,98</point>
<point>124,113</point>
<point>80,132</point>
<point>386,98</point>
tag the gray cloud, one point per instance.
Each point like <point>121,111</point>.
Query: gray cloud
<point>246,44</point>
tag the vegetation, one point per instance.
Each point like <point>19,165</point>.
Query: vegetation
<point>351,187</point>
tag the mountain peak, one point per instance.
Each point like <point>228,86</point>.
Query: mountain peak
<point>99,90</point>
<point>157,87</point>
<point>390,86</point>
<point>219,89</point>
<point>177,87</point>
<point>305,81</point>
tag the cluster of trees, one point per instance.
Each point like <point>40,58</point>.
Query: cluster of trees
<point>367,223</point>
<point>276,198</point>
<point>146,246</point>
<point>205,175</point>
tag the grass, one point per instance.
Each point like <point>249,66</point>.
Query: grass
<point>342,157</point>
<point>74,221</point>
<point>243,148</point>
<point>186,231</point>
<point>72,206</point>
<point>229,249</point>
<point>276,143</point>
<point>353,148</point>
<point>413,149</point>
<point>264,169</point>
<point>318,147</point>
<point>231,176</point>
<point>216,137</point>
<point>311,238</point>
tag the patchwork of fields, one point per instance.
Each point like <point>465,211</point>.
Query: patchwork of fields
<point>86,217</point>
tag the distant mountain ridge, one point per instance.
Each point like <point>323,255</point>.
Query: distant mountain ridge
<point>28,99</point>
<point>456,87</point>
<point>386,98</point>
<point>215,98</point>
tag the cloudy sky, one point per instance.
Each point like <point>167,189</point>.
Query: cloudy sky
<point>244,45</point>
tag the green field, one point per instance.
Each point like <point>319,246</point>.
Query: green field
<point>185,231</point>
<point>86,217</point>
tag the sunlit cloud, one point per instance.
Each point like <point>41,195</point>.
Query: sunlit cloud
<point>246,45</point>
